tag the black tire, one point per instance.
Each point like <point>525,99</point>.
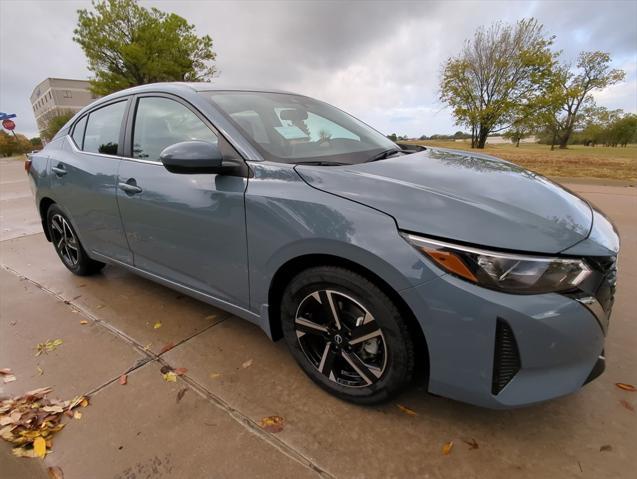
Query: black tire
<point>367,372</point>
<point>67,245</point>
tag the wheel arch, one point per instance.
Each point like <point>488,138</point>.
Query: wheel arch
<point>296,265</point>
<point>43,207</point>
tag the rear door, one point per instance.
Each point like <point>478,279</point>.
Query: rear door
<point>84,179</point>
<point>188,228</point>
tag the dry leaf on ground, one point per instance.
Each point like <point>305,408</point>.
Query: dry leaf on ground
<point>7,375</point>
<point>272,423</point>
<point>472,443</point>
<point>157,325</point>
<point>406,410</point>
<point>83,322</point>
<point>247,364</point>
<point>55,472</point>
<point>627,405</point>
<point>626,387</point>
<point>606,447</point>
<point>48,346</point>
<point>167,347</point>
<point>447,447</point>
<point>29,421</point>
<point>215,375</point>
<point>40,371</point>
<point>181,393</point>
<point>181,371</point>
<point>165,369</point>
<point>123,379</point>
<point>170,377</point>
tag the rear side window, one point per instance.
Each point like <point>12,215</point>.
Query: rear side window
<point>161,122</point>
<point>103,128</point>
<point>78,132</point>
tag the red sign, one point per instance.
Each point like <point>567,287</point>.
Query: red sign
<point>8,124</point>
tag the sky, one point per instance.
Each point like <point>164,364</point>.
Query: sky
<point>380,61</point>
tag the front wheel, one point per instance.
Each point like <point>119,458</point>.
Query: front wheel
<point>347,335</point>
<point>68,246</point>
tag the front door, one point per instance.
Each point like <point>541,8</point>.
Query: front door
<point>187,228</point>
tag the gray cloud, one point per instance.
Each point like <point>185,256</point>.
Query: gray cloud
<point>379,60</point>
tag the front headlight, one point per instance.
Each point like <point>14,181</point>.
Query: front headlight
<point>512,273</point>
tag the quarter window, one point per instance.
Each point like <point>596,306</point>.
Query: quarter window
<point>78,132</point>
<point>161,122</point>
<point>103,127</point>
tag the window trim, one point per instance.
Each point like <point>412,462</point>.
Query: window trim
<point>72,131</point>
<point>122,127</point>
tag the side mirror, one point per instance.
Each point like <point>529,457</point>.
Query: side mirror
<point>192,157</point>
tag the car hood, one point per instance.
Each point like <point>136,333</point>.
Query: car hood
<point>462,196</point>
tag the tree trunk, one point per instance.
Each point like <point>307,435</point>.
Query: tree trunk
<point>553,141</point>
<point>482,137</point>
<point>517,142</point>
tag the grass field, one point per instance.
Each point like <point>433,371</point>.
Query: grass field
<point>577,161</point>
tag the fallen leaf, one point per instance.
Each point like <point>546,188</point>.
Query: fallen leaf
<point>447,447</point>
<point>13,323</point>
<point>157,325</point>
<point>147,347</point>
<point>272,423</point>
<point>8,378</point>
<point>39,446</point>
<point>247,364</point>
<point>5,371</point>
<point>606,447</point>
<point>48,346</point>
<point>627,405</point>
<point>181,393</point>
<point>472,443</point>
<point>55,472</point>
<point>99,306</point>
<point>181,371</point>
<point>83,321</point>
<point>215,375</point>
<point>40,370</point>
<point>55,409</point>
<point>84,402</point>
<point>626,387</point>
<point>212,316</point>
<point>406,410</point>
<point>77,415</point>
<point>123,379</point>
<point>165,369</point>
<point>167,347</point>
<point>170,377</point>
<point>23,452</point>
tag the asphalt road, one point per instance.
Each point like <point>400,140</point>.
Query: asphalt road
<point>236,376</point>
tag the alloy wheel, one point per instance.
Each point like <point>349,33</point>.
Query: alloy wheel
<point>341,338</point>
<point>64,240</point>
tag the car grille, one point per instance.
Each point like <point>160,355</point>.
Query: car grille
<point>506,357</point>
<point>606,267</point>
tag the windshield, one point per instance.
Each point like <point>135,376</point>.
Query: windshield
<point>297,129</point>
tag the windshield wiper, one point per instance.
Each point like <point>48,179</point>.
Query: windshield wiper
<point>320,163</point>
<point>384,154</point>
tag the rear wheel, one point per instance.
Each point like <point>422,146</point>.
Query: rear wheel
<point>347,335</point>
<point>68,246</point>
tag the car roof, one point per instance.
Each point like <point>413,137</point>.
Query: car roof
<point>175,87</point>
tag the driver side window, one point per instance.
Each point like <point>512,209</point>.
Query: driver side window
<point>161,122</point>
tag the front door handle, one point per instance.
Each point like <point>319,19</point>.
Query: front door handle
<point>59,169</point>
<point>130,187</point>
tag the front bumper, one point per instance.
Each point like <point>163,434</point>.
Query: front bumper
<point>474,335</point>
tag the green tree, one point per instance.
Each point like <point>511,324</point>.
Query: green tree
<point>127,45</point>
<point>575,88</point>
<point>11,144</point>
<point>54,124</point>
<point>499,76</point>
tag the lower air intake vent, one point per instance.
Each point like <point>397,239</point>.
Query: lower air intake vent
<point>506,357</point>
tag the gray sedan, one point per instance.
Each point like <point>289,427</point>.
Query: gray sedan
<point>376,263</point>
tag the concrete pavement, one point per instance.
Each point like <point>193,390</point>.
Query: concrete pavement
<point>141,430</point>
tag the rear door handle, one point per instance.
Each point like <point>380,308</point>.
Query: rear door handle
<point>130,187</point>
<point>59,169</point>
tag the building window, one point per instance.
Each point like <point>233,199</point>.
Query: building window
<point>67,94</point>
